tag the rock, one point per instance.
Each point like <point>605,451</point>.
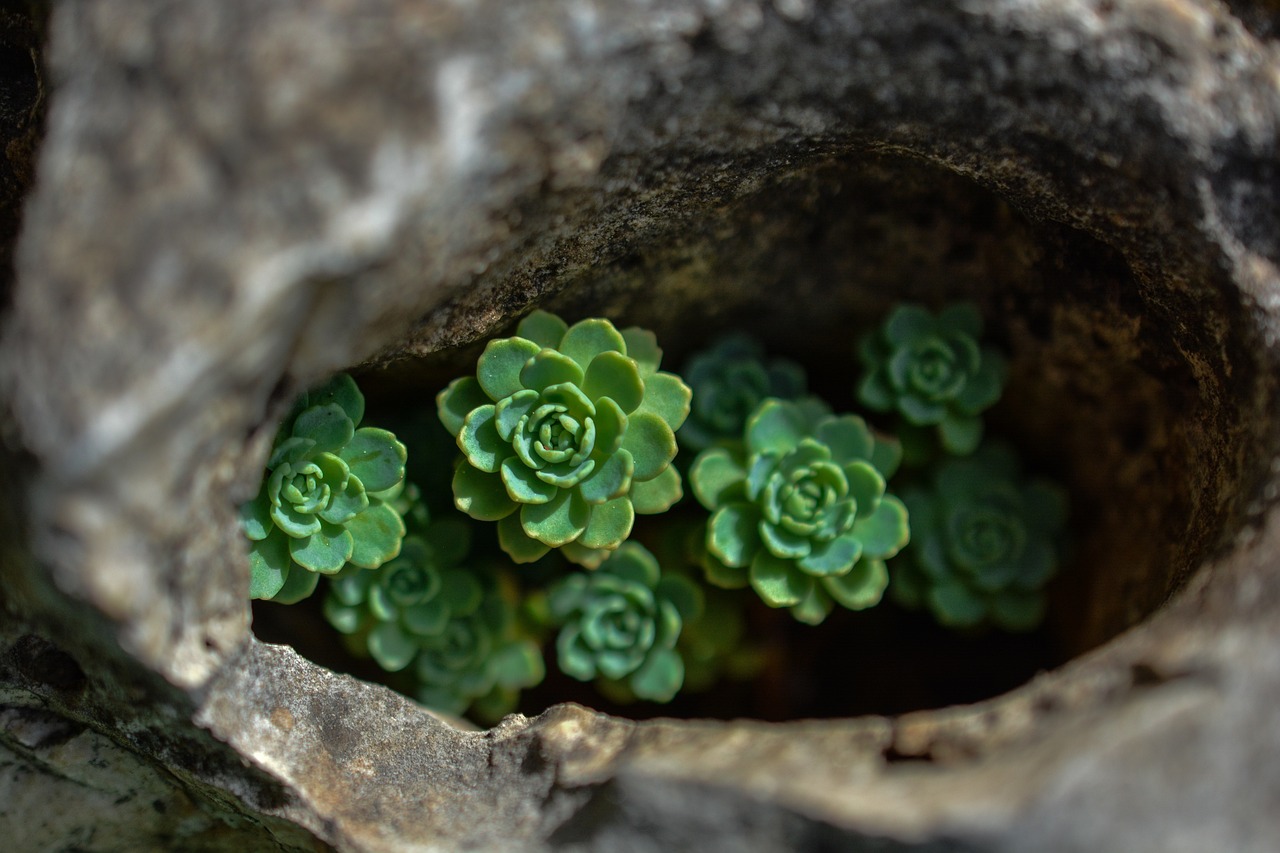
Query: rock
<point>235,199</point>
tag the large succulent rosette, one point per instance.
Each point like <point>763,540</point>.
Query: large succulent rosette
<point>932,370</point>
<point>801,513</point>
<point>729,380</point>
<point>984,542</point>
<point>323,503</point>
<point>411,599</point>
<point>481,661</point>
<point>567,432</point>
<point>622,621</point>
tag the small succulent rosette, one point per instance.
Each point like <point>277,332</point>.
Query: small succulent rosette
<point>394,611</point>
<point>481,661</point>
<point>801,514</point>
<point>622,621</point>
<point>933,372</point>
<point>729,380</point>
<point>567,432</point>
<point>324,504</point>
<point>984,542</point>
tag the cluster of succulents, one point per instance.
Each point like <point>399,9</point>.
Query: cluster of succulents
<point>566,434</point>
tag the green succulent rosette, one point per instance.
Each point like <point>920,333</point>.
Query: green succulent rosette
<point>622,621</point>
<point>801,513</point>
<point>323,504</point>
<point>729,380</point>
<point>481,661</point>
<point>411,600</point>
<point>932,371</point>
<point>566,432</point>
<point>984,542</point>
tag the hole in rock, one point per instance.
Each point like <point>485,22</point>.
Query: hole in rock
<point>1122,387</point>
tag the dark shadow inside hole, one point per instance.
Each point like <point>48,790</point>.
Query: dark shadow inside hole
<point>1102,396</point>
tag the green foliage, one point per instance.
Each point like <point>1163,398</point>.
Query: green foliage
<point>714,644</point>
<point>482,660</point>
<point>323,504</point>
<point>933,372</point>
<point>801,513</point>
<point>729,380</point>
<point>567,432</point>
<point>984,542</point>
<point>411,599</point>
<point>622,621</point>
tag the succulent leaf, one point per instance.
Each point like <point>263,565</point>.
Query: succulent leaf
<point>328,426</point>
<point>255,516</point>
<point>589,338</point>
<point>642,345</point>
<point>343,391</point>
<point>659,494</point>
<point>326,551</point>
<point>651,443</point>
<point>376,458</point>
<point>269,565</point>
<point>297,586</point>
<point>543,328</point>
<point>481,495</point>
<point>456,401</point>
<point>501,364</point>
<point>377,533</point>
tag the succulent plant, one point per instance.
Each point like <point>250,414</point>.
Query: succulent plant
<point>729,380</point>
<point>801,513</point>
<point>481,661</point>
<point>933,372</point>
<point>567,432</point>
<point>984,542</point>
<point>323,501</point>
<point>622,621</point>
<point>411,599</point>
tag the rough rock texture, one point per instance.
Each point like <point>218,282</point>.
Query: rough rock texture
<point>235,198</point>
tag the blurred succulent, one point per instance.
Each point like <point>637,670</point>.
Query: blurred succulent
<point>933,372</point>
<point>714,643</point>
<point>567,432</point>
<point>622,621</point>
<point>801,513</point>
<point>323,501</point>
<point>411,599</point>
<point>984,542</point>
<point>481,661</point>
<point>729,380</point>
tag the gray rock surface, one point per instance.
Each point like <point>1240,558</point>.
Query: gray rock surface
<point>234,199</point>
